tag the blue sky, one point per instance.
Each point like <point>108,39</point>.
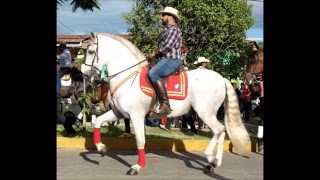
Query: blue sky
<point>109,19</point>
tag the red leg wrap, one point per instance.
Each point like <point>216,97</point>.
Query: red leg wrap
<point>141,157</point>
<point>96,135</point>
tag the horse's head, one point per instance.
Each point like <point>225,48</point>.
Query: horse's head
<point>98,89</point>
<point>109,55</point>
<point>254,69</point>
<point>91,69</point>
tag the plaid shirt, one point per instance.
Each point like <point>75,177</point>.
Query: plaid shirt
<point>170,42</point>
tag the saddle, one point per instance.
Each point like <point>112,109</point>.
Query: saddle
<point>176,85</point>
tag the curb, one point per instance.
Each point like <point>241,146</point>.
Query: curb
<point>151,144</point>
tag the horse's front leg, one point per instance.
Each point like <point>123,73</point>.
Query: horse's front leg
<point>138,124</point>
<point>108,116</point>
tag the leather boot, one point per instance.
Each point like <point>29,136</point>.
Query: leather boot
<point>161,92</point>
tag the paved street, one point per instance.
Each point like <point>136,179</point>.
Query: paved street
<point>89,165</point>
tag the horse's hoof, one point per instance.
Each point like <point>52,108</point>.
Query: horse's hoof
<point>102,149</point>
<point>132,172</point>
<point>209,169</point>
<point>215,163</point>
<point>260,150</point>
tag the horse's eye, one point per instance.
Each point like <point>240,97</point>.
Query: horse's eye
<point>90,52</point>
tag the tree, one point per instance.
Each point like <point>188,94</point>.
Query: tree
<point>211,28</point>
<point>83,4</point>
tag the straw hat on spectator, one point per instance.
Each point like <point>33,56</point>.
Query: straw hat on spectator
<point>201,59</point>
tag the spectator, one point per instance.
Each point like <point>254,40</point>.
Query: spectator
<point>184,53</point>
<point>247,106</point>
<point>261,104</point>
<point>188,119</point>
<point>152,122</point>
<point>241,97</point>
<point>65,60</point>
<point>165,123</point>
<point>60,116</point>
<point>202,62</point>
<point>236,89</point>
<point>127,131</point>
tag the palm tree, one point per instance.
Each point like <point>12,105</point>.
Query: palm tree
<point>83,4</point>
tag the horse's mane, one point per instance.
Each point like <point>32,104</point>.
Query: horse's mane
<point>133,49</point>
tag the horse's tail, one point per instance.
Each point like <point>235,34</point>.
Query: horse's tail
<point>236,130</point>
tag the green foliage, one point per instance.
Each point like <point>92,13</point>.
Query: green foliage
<point>85,100</point>
<point>80,60</point>
<point>83,4</point>
<point>214,29</point>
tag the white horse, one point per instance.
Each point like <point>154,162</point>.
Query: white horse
<point>207,91</point>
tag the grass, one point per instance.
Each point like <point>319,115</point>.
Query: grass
<point>115,131</point>
<point>150,132</point>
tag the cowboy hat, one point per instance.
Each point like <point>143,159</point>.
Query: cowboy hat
<point>171,11</point>
<point>201,59</point>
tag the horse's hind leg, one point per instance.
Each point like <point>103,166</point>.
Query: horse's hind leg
<point>215,161</point>
<point>108,116</point>
<point>220,149</point>
<point>209,153</point>
<point>219,135</point>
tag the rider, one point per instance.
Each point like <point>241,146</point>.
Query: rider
<point>168,55</point>
<point>65,60</point>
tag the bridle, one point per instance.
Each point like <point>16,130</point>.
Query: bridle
<point>99,77</point>
<point>254,78</point>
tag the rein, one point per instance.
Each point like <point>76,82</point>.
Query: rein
<point>123,81</point>
<point>92,66</point>
<point>254,78</point>
<point>113,75</point>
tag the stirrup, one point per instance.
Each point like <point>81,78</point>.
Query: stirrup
<point>158,111</point>
<point>162,110</point>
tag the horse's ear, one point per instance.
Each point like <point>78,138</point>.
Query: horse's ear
<point>92,36</point>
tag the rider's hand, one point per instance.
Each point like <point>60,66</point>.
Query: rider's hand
<point>155,53</point>
<point>152,55</point>
<point>149,58</point>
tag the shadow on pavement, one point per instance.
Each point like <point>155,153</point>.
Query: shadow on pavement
<point>129,145</point>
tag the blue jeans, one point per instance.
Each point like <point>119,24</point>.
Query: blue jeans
<point>163,67</point>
